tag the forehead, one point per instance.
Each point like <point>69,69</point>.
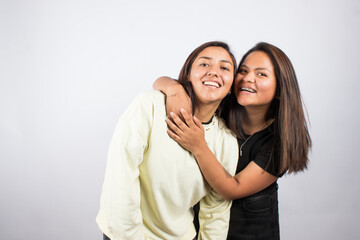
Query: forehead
<point>216,53</point>
<point>258,59</point>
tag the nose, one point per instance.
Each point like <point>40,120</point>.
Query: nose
<point>213,72</point>
<point>249,77</point>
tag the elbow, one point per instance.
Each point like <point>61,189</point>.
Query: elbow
<point>229,196</point>
<point>159,83</point>
<point>156,84</point>
<point>231,193</point>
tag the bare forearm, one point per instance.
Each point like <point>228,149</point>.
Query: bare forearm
<point>247,182</point>
<point>167,85</point>
<point>176,96</point>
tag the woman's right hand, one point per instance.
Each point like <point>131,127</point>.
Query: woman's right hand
<point>176,96</point>
<point>188,131</point>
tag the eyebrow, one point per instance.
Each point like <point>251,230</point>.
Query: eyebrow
<point>209,58</point>
<point>256,68</point>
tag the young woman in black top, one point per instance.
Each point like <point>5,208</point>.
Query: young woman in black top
<point>265,111</point>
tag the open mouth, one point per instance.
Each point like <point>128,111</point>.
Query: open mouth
<point>250,90</point>
<point>211,84</point>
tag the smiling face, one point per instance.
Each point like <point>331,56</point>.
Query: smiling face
<point>255,82</point>
<point>211,75</point>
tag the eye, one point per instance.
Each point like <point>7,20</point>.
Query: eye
<point>242,71</point>
<point>225,68</point>
<point>204,64</point>
<point>261,74</point>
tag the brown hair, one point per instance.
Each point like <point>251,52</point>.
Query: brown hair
<point>183,78</point>
<point>292,140</point>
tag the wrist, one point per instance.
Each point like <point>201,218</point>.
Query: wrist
<point>200,151</point>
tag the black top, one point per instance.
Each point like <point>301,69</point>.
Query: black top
<point>256,216</point>
<point>260,148</point>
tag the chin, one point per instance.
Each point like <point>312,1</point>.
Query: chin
<point>243,103</point>
<point>210,98</point>
<point>211,101</point>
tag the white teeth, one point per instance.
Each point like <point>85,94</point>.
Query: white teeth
<point>215,84</point>
<point>248,89</point>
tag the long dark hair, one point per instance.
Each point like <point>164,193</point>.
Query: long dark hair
<point>183,78</point>
<point>292,140</point>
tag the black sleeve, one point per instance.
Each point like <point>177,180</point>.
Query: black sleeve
<point>268,159</point>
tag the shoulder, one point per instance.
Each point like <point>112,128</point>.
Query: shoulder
<point>151,95</point>
<point>143,105</point>
<point>262,143</point>
<point>223,129</point>
<point>226,147</point>
<point>223,135</point>
<point>147,99</point>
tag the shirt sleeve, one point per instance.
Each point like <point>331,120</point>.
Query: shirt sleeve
<point>263,157</point>
<point>120,215</point>
<point>214,216</point>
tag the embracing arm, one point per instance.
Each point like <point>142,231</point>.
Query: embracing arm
<point>176,96</point>
<point>167,85</point>
<point>191,136</point>
<point>247,182</point>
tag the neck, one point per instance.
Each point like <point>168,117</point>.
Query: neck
<point>205,112</point>
<point>255,121</point>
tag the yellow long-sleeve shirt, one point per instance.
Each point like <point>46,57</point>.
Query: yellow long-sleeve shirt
<point>151,182</point>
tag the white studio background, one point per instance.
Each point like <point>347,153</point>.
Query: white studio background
<point>69,68</point>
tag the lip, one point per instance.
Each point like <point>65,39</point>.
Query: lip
<point>212,83</point>
<point>247,89</point>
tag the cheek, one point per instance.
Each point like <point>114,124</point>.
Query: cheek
<point>269,87</point>
<point>191,77</point>
<point>229,79</point>
<point>194,75</point>
<point>237,81</point>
